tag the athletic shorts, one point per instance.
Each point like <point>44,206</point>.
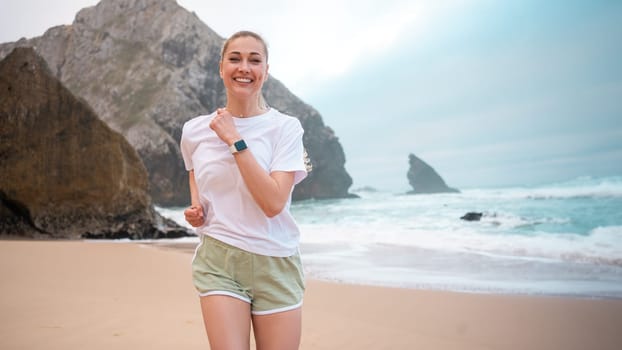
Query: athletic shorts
<point>270,284</point>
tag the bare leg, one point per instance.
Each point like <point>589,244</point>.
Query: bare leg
<point>227,322</point>
<point>279,331</point>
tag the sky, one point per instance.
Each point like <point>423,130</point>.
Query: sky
<point>489,93</point>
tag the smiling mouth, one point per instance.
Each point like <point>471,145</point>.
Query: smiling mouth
<point>242,80</point>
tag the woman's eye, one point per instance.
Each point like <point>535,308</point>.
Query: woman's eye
<point>234,59</point>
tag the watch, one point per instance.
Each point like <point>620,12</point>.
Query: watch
<point>237,146</point>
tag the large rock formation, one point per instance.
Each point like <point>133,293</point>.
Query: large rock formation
<point>424,179</point>
<point>146,67</point>
<point>63,172</point>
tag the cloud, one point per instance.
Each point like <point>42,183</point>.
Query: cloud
<point>31,18</point>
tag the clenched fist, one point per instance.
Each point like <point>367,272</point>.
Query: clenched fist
<point>194,216</point>
<point>223,125</point>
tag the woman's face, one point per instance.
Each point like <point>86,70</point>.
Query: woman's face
<point>244,67</point>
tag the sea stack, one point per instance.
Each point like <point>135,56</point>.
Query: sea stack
<point>424,179</point>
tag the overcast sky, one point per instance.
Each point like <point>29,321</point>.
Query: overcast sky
<point>489,93</point>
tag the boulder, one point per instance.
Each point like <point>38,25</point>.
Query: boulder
<point>472,216</point>
<point>424,179</point>
<point>63,172</point>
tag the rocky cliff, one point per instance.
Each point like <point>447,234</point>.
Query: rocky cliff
<point>424,179</point>
<point>63,172</point>
<point>146,67</point>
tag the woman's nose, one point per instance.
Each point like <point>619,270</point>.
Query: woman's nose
<point>244,66</point>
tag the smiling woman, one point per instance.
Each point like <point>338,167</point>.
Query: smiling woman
<point>243,161</point>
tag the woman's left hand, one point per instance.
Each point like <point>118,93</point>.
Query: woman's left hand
<point>224,127</point>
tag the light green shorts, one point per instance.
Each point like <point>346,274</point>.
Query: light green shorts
<point>269,284</point>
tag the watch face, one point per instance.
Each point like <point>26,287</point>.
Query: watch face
<point>240,145</point>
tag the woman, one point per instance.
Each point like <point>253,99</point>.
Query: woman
<point>243,162</point>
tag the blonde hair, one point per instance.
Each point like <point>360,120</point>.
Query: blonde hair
<point>243,34</point>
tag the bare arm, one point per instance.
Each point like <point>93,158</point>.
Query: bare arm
<point>269,190</point>
<point>194,192</point>
<point>194,214</point>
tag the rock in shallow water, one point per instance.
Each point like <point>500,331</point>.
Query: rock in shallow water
<point>471,216</point>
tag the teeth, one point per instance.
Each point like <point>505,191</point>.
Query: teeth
<point>243,80</point>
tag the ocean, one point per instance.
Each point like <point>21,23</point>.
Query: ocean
<point>554,239</point>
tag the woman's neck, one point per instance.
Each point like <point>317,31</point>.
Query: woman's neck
<point>243,110</point>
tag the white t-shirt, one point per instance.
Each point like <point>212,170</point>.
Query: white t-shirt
<point>232,216</point>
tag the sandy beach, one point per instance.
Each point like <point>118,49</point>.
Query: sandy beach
<point>105,295</point>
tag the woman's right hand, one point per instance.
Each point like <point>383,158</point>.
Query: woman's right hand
<point>194,215</point>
